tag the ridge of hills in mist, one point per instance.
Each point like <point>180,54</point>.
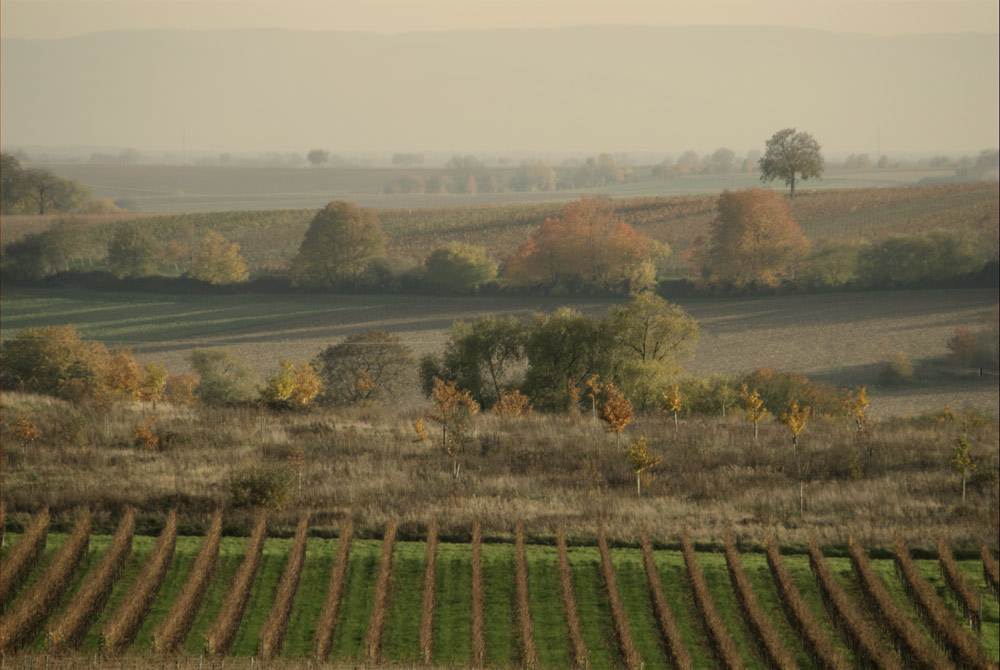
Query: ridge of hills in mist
<point>572,89</point>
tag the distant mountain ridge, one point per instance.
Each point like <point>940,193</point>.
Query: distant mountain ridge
<point>587,88</point>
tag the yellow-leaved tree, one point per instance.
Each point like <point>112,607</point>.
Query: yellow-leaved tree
<point>453,409</point>
<point>218,261</point>
<point>754,406</point>
<point>616,411</point>
<point>638,456</point>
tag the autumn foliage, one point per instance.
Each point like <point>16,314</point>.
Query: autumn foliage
<point>586,246</point>
<point>754,240</point>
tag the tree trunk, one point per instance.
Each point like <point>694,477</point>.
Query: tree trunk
<point>675,422</point>
<point>792,195</point>
<point>963,488</point>
<point>638,483</point>
<point>755,432</point>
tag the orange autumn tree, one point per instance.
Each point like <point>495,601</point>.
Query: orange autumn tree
<point>754,239</point>
<point>586,246</point>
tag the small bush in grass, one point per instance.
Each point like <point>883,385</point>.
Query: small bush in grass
<point>894,367</point>
<point>262,486</point>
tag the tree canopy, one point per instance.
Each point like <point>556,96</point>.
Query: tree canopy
<point>225,378</point>
<point>651,336</point>
<point>586,246</point>
<point>754,239</point>
<point>218,261</point>
<point>366,367</point>
<point>458,268</point>
<point>788,154</point>
<point>37,191</point>
<point>341,242</point>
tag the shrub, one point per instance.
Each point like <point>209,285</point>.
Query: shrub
<point>779,389</point>
<point>224,378</point>
<point>261,486</point>
<point>895,368</point>
<point>458,268</point>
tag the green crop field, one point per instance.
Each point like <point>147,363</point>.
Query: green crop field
<point>452,613</point>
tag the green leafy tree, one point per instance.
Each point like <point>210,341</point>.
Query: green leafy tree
<point>790,155</point>
<point>224,378</point>
<point>458,268</point>
<point>564,350</point>
<point>218,261</point>
<point>651,336</point>
<point>482,356</point>
<point>373,366</point>
<point>341,242</point>
<point>131,251</point>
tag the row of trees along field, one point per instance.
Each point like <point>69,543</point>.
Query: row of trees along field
<point>753,241</point>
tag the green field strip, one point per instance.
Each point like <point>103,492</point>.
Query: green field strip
<point>798,566</point>
<point>677,589</point>
<point>401,638</point>
<point>634,589</point>
<point>453,615</point>
<point>300,637</point>
<point>755,565</point>
<point>55,541</point>
<point>272,565</point>
<point>990,638</point>
<point>184,553</point>
<point>547,615</point>
<point>142,548</point>
<point>930,570</point>
<point>96,548</point>
<point>231,550</point>
<point>885,568</point>
<point>9,540</point>
<point>719,585</point>
<point>358,599</point>
<point>503,643</point>
<point>592,603</point>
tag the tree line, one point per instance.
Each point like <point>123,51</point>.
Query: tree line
<point>38,191</point>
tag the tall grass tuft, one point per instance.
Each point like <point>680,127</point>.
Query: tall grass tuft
<point>220,636</point>
<point>529,649</point>
<point>581,657</point>
<point>815,639</point>
<point>763,631</point>
<point>331,607</point>
<point>119,632</point>
<point>30,612</point>
<point>24,556</point>
<point>272,634</point>
<point>630,655</point>
<point>723,646</point>
<point>428,601</point>
<point>69,629</point>
<point>175,625</point>
<point>380,607</point>
<point>478,598</point>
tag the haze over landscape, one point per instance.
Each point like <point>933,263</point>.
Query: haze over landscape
<point>657,87</point>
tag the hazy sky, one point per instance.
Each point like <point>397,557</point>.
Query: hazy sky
<point>894,76</point>
<point>59,18</point>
